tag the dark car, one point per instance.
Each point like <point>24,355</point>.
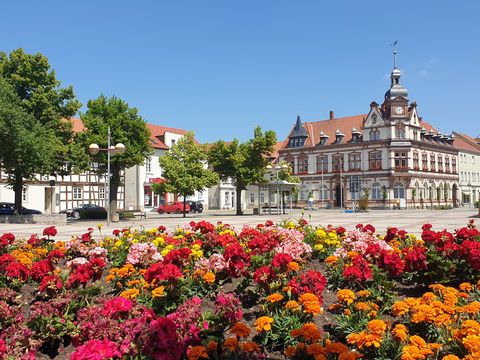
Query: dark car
<point>195,206</point>
<point>173,207</point>
<point>6,208</point>
<point>86,211</point>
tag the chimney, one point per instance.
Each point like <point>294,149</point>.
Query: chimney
<point>332,115</point>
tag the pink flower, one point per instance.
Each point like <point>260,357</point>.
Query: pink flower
<point>143,254</point>
<point>96,350</point>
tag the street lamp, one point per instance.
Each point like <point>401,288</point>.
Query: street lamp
<point>117,149</point>
<point>277,168</point>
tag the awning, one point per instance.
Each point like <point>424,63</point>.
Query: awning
<point>155,180</point>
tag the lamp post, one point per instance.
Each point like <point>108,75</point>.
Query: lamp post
<point>341,184</point>
<point>321,184</point>
<point>117,149</point>
<point>277,168</point>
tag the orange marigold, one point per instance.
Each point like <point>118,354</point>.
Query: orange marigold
<point>400,308</point>
<point>212,345</point>
<point>377,327</point>
<point>292,305</point>
<point>346,296</point>
<point>465,287</point>
<point>335,348</point>
<point>363,293</point>
<point>290,351</point>
<point>250,347</point>
<point>400,332</point>
<point>331,260</point>
<point>230,343</point>
<point>310,303</point>
<point>209,278</point>
<point>263,323</point>
<point>275,298</point>
<point>293,266</point>
<point>240,330</point>
<point>197,352</point>
<point>349,355</point>
<point>450,357</point>
<point>315,349</point>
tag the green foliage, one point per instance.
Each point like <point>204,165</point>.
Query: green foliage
<point>243,163</point>
<point>44,142</point>
<point>184,169</point>
<point>126,127</point>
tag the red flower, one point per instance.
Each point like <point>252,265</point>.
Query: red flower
<point>116,232</point>
<point>392,262</point>
<point>17,270</point>
<point>160,271</point>
<point>50,231</point>
<point>312,282</point>
<point>117,306</point>
<point>281,260</point>
<point>40,269</point>
<point>264,275</point>
<point>177,256</point>
<point>162,342</point>
<point>415,258</point>
<point>50,282</point>
<point>359,270</point>
<point>236,258</point>
<point>7,239</point>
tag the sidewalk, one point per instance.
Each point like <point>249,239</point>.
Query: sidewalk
<point>410,220</point>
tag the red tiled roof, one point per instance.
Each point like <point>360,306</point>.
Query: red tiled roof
<point>157,132</point>
<point>466,143</point>
<point>329,127</point>
<point>342,124</point>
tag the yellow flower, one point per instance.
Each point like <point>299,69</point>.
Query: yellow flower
<point>263,323</point>
<point>99,226</point>
<point>158,292</point>
<point>159,241</point>
<point>346,296</point>
<point>292,305</point>
<point>130,293</point>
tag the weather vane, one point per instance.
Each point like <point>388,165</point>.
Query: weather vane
<point>394,44</point>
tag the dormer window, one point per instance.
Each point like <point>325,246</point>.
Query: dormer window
<point>323,138</point>
<point>339,137</point>
<point>356,135</point>
<point>423,132</point>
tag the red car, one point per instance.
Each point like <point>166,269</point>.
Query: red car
<point>173,207</point>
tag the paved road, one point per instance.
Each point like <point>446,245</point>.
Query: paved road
<point>410,220</point>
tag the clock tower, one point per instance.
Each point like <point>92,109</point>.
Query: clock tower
<point>396,98</point>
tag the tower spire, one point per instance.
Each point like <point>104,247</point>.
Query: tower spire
<point>395,54</point>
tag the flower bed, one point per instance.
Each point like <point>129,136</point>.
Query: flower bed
<point>208,291</point>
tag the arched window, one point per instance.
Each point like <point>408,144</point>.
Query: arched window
<point>400,131</point>
<point>376,191</point>
<point>374,134</point>
<point>398,191</point>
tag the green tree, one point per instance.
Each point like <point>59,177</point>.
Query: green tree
<point>184,168</point>
<point>25,150</point>
<point>40,96</point>
<point>243,163</point>
<point>126,127</point>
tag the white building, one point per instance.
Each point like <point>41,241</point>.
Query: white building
<point>74,190</point>
<point>468,168</point>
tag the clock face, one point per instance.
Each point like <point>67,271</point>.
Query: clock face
<point>399,110</point>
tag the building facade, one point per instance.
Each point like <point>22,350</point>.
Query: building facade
<point>468,168</point>
<point>388,155</point>
<point>134,193</point>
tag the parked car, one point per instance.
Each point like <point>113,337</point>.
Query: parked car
<point>195,206</point>
<point>86,211</point>
<point>6,208</point>
<point>173,207</point>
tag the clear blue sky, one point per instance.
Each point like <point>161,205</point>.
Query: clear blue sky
<point>222,67</point>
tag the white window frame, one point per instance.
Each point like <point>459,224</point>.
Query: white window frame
<point>24,194</point>
<point>77,193</point>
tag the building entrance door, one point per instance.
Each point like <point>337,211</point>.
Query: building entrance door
<point>48,200</point>
<point>338,197</point>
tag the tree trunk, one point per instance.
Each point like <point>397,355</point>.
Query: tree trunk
<point>184,205</point>
<point>113,191</point>
<point>238,191</point>
<point>17,188</point>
